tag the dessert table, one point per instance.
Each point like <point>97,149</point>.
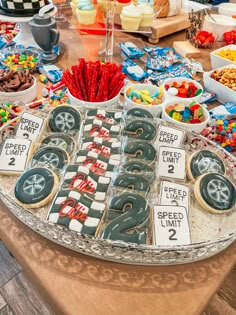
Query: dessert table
<point>72,283</point>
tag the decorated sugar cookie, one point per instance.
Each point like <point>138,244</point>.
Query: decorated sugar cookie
<point>98,145</point>
<point>127,211</point>
<point>76,211</point>
<point>100,129</point>
<point>140,129</point>
<point>14,156</point>
<point>137,167</point>
<point>140,150</point>
<point>96,163</point>
<point>82,179</point>
<point>36,187</point>
<point>60,140</point>
<point>204,161</point>
<point>51,157</point>
<point>215,193</point>
<point>133,182</point>
<point>110,117</point>
<point>139,112</point>
<point>64,118</point>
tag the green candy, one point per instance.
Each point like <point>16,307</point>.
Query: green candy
<point>3,114</point>
<point>3,119</point>
<point>198,92</point>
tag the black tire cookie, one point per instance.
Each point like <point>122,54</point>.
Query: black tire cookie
<point>137,167</point>
<point>139,112</point>
<point>60,140</point>
<point>36,187</point>
<point>51,157</point>
<point>140,150</point>
<point>64,118</point>
<point>204,161</point>
<point>133,182</point>
<point>140,129</point>
<point>215,193</point>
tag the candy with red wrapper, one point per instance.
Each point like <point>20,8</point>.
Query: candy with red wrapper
<point>94,81</point>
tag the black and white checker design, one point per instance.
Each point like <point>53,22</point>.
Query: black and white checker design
<point>96,163</point>
<point>61,215</point>
<point>101,129</point>
<point>22,6</point>
<point>111,117</point>
<point>77,175</point>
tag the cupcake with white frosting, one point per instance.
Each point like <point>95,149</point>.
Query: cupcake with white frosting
<point>86,13</point>
<point>130,18</point>
<point>147,15</point>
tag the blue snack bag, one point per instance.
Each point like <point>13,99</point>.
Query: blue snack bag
<point>134,71</point>
<point>130,50</point>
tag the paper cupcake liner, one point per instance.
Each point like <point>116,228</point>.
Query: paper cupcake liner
<point>130,23</point>
<point>86,17</point>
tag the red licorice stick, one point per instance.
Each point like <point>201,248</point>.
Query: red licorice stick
<point>94,82</point>
<point>117,89</point>
<point>114,81</point>
<point>100,89</point>
<point>81,74</point>
<point>106,85</point>
<point>76,81</point>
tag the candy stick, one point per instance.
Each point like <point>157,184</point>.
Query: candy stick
<point>94,82</point>
<point>81,75</point>
<point>100,89</point>
<point>106,85</point>
<point>76,81</point>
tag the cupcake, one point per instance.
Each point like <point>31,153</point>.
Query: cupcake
<point>74,4</point>
<point>130,18</point>
<point>120,4</point>
<point>147,15</point>
<point>86,13</point>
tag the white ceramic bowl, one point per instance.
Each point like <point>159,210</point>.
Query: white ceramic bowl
<point>217,61</point>
<point>228,9</point>
<point>112,103</point>
<point>25,96</point>
<point>194,127</point>
<point>155,110</point>
<point>170,97</point>
<point>223,24</point>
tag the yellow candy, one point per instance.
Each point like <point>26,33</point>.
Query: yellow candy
<point>228,54</point>
<point>220,122</point>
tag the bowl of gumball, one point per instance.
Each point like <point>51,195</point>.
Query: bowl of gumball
<point>17,86</point>
<point>182,89</point>
<point>192,115</point>
<point>94,84</point>
<point>144,96</point>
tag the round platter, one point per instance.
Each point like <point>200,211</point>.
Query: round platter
<point>214,237</point>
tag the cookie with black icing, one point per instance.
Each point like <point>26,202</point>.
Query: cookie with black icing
<point>127,211</point>
<point>106,148</point>
<point>204,161</point>
<point>100,129</point>
<point>140,129</point>
<point>137,167</point>
<point>76,211</point>
<point>52,157</point>
<point>139,112</point>
<point>140,150</point>
<point>110,117</point>
<point>215,193</point>
<point>36,187</point>
<point>64,118</point>
<point>96,163</point>
<point>133,182</point>
<point>60,140</point>
<point>80,178</point>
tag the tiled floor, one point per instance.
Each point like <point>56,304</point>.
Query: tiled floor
<point>19,297</point>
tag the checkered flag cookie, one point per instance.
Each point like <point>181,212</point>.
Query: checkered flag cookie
<point>76,211</point>
<point>101,129</point>
<point>111,117</point>
<point>22,6</point>
<point>82,179</point>
<point>96,163</point>
<point>98,145</point>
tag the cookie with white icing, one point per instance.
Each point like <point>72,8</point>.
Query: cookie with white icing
<point>139,112</point>
<point>215,193</point>
<point>96,163</point>
<point>80,178</point>
<point>204,161</point>
<point>76,211</point>
<point>14,156</point>
<point>132,182</point>
<point>60,140</point>
<point>36,187</point>
<point>100,129</point>
<point>110,117</point>
<point>108,149</point>
<point>64,118</point>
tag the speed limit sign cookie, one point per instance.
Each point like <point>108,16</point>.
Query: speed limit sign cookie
<point>215,193</point>
<point>36,187</point>
<point>64,118</point>
<point>204,161</point>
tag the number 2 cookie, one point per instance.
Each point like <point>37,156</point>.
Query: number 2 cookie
<point>36,187</point>
<point>215,193</point>
<point>204,161</point>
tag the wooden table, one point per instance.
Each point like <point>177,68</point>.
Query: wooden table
<point>74,284</point>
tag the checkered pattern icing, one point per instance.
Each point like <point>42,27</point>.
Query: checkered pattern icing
<point>96,163</point>
<point>110,117</point>
<point>76,211</point>
<point>106,148</point>
<point>101,129</point>
<point>82,179</point>
<point>22,6</point>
